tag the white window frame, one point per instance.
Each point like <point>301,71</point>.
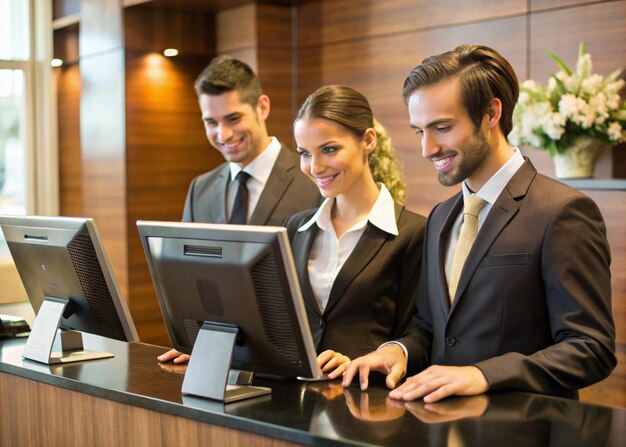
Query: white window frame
<point>42,159</point>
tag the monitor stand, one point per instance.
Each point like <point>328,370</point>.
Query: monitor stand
<point>209,364</point>
<point>45,336</point>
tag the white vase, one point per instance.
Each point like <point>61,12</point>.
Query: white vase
<point>578,160</point>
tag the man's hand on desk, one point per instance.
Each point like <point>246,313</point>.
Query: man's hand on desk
<point>175,356</point>
<point>437,382</point>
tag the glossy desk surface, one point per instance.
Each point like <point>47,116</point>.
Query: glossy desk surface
<point>325,413</point>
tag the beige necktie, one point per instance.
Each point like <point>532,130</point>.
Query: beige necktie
<point>471,208</point>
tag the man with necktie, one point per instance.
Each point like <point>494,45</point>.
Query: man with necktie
<point>516,285</point>
<point>260,183</point>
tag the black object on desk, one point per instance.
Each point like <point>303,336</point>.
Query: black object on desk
<point>11,327</point>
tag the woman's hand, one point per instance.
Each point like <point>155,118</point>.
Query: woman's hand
<point>333,363</point>
<point>173,354</point>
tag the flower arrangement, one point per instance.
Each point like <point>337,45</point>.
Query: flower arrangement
<point>573,104</point>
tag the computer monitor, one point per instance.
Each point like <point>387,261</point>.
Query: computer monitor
<point>232,276</point>
<point>61,260</point>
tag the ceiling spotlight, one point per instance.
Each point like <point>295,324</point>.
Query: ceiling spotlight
<point>56,62</point>
<point>170,52</point>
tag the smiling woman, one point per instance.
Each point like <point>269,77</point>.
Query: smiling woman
<point>358,255</point>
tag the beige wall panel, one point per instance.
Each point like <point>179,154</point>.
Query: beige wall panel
<point>103,20</point>
<point>102,137</point>
<point>539,5</point>
<point>236,28</point>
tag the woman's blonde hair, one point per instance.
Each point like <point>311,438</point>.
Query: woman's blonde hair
<point>349,108</point>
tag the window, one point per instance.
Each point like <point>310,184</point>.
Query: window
<point>28,169</point>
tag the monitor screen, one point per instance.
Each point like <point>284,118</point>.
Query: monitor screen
<point>242,275</point>
<point>62,257</point>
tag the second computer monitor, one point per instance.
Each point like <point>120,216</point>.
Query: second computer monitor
<point>241,275</point>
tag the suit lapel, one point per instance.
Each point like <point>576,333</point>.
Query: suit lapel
<point>217,197</point>
<point>501,213</point>
<point>365,250</point>
<point>455,205</point>
<point>276,186</point>
<point>303,242</point>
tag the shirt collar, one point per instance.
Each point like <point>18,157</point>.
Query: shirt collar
<point>494,186</point>
<point>261,167</point>
<point>382,215</point>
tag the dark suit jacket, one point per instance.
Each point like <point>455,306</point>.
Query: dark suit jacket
<point>533,305</point>
<point>373,297</point>
<point>286,192</point>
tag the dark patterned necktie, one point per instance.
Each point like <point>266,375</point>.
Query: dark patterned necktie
<point>239,213</point>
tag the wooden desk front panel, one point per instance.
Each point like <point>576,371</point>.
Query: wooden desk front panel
<point>37,414</point>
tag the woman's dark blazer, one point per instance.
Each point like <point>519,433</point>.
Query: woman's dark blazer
<point>373,297</point>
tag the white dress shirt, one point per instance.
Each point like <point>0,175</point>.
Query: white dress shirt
<point>329,252</point>
<point>259,169</point>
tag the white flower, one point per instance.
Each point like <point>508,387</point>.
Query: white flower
<point>583,66</point>
<point>592,84</point>
<point>554,126</point>
<point>616,132</point>
<point>579,103</point>
<point>570,106</point>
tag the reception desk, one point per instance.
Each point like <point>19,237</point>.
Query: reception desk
<point>131,399</point>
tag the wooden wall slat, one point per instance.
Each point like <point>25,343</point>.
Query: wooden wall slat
<point>68,87</point>
<point>155,29</point>
<point>324,22</point>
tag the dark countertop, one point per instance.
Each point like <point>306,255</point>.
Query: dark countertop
<point>326,414</point>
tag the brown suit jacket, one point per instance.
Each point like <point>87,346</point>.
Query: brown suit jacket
<point>533,305</point>
<point>373,296</point>
<point>287,191</point>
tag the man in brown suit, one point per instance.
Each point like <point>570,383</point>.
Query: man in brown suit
<point>529,307</point>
